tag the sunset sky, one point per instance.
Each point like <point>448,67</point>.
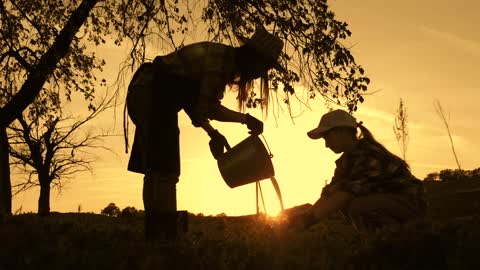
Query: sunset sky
<point>420,51</point>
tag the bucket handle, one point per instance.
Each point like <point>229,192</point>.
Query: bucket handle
<point>268,148</point>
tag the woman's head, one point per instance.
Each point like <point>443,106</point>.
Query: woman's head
<point>254,58</point>
<point>265,47</point>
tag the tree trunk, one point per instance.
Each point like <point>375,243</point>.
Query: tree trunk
<point>5,185</point>
<point>44,199</point>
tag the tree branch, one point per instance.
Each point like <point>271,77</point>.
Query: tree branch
<point>46,65</point>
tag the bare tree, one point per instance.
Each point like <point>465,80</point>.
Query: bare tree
<point>49,147</point>
<point>400,129</point>
<point>441,113</point>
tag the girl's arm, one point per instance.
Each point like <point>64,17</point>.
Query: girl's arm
<point>326,205</point>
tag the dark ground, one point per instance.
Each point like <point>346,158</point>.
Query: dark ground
<point>448,239</point>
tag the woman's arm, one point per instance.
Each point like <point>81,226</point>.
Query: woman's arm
<point>207,127</point>
<point>223,114</point>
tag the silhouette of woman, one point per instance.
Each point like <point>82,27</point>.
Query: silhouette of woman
<point>194,79</point>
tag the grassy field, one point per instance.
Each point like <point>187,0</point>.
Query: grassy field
<point>448,239</point>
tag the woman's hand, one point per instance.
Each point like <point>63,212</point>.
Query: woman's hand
<point>217,143</point>
<point>253,124</point>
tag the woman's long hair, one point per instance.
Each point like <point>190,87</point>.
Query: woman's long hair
<point>367,137</point>
<point>244,58</point>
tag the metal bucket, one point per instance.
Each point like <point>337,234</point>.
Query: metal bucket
<point>245,163</point>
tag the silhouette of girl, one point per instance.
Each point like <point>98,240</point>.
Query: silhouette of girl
<point>372,186</point>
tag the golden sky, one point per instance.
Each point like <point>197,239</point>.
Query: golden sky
<point>419,51</point>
